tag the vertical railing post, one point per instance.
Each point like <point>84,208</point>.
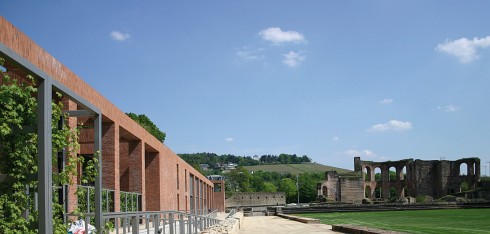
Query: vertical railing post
<point>189,223</point>
<point>171,223</point>
<point>44,144</point>
<point>195,224</point>
<point>98,178</point>
<point>135,224</point>
<point>181,224</point>
<point>156,223</point>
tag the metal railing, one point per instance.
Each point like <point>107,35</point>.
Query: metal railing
<point>130,201</point>
<point>153,222</point>
<point>87,198</point>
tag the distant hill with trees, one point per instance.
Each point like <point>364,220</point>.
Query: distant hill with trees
<point>267,173</point>
<point>295,169</point>
<point>215,161</point>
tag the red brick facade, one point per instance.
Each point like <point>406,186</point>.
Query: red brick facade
<point>132,159</point>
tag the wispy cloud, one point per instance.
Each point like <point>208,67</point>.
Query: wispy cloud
<point>392,125</point>
<point>386,101</point>
<point>448,108</point>
<point>335,138</point>
<point>250,54</point>
<point>229,139</point>
<point>293,59</point>
<point>277,36</point>
<point>120,36</point>
<point>360,153</point>
<point>464,49</point>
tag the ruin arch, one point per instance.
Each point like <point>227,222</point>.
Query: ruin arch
<point>378,174</point>
<point>325,191</point>
<point>463,169</point>
<point>367,173</point>
<point>367,192</point>
<point>378,192</point>
<point>393,192</point>
<point>403,173</point>
<point>392,174</point>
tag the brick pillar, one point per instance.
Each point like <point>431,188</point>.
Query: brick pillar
<point>136,169</point>
<point>385,182</point>
<point>110,161</point>
<point>72,189</point>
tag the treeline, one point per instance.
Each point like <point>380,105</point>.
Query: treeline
<point>241,180</point>
<point>284,159</point>
<point>214,161</point>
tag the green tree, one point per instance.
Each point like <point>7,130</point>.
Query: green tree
<point>269,187</point>
<point>288,186</point>
<point>239,180</point>
<point>18,155</point>
<point>307,186</point>
<point>147,124</point>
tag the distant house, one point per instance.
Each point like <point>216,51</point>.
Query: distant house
<point>204,167</point>
<point>230,166</point>
<point>215,177</point>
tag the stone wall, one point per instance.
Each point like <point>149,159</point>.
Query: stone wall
<point>342,188</point>
<point>256,199</point>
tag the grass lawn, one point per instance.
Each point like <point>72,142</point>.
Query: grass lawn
<point>420,221</point>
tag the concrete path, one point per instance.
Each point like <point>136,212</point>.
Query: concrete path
<point>274,224</point>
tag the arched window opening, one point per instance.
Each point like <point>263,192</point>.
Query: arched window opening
<point>463,169</point>
<point>404,192</point>
<point>404,175</point>
<point>367,174</point>
<point>377,174</point>
<point>325,191</point>
<point>367,192</point>
<point>463,187</point>
<point>393,192</point>
<point>377,192</point>
<point>392,172</point>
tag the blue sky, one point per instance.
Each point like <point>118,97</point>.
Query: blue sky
<point>384,80</point>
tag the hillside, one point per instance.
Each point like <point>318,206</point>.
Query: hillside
<point>296,168</point>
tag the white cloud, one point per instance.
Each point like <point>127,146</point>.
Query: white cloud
<point>119,36</point>
<point>386,101</point>
<point>293,59</point>
<point>360,153</point>
<point>335,138</point>
<point>229,139</point>
<point>250,54</point>
<point>392,125</point>
<point>464,49</point>
<point>448,108</point>
<point>277,36</point>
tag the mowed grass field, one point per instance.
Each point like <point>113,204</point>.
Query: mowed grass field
<point>420,221</point>
<point>295,169</point>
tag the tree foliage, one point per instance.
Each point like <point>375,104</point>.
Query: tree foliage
<point>147,124</point>
<point>241,180</point>
<point>214,160</point>
<point>18,155</point>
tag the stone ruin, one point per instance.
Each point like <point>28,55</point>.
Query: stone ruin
<point>413,178</point>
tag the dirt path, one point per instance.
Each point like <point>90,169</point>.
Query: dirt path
<point>274,224</point>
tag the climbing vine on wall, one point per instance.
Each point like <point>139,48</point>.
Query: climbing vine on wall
<point>18,155</point>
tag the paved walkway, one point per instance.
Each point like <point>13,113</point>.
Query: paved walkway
<point>274,224</point>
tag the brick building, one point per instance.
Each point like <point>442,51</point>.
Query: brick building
<point>132,160</point>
